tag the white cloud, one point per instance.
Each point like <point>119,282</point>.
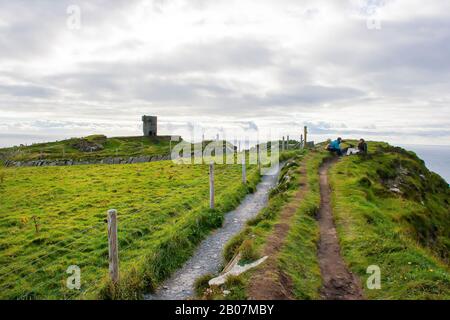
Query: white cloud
<point>268,63</point>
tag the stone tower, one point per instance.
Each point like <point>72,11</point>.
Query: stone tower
<point>150,126</point>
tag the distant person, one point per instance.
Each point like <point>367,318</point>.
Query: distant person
<point>335,146</point>
<point>362,146</point>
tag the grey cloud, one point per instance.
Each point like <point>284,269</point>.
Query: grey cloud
<point>223,54</point>
<point>248,125</point>
<point>312,95</point>
<point>425,48</point>
<point>405,64</point>
<point>381,133</point>
<point>31,91</point>
<point>166,79</point>
<point>33,28</point>
<point>24,37</point>
<point>323,125</point>
<point>402,56</point>
<point>197,92</point>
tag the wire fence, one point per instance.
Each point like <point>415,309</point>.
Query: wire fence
<point>38,267</point>
<point>43,275</point>
<point>46,275</point>
<point>31,275</point>
<point>38,280</point>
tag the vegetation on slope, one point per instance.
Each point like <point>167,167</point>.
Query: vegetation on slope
<point>297,258</point>
<point>391,211</point>
<point>88,148</point>
<point>54,217</point>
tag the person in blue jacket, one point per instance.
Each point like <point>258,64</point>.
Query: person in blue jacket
<point>335,146</point>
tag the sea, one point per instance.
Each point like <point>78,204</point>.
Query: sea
<point>437,158</point>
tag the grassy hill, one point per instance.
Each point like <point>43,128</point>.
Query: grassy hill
<point>389,211</point>
<point>89,148</point>
<point>54,217</point>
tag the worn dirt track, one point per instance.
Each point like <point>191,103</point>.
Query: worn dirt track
<point>269,282</point>
<point>338,282</point>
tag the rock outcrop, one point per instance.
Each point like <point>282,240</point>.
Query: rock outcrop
<point>90,144</point>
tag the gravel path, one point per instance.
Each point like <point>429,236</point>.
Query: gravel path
<point>208,256</point>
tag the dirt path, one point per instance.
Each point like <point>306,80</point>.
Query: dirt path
<point>270,282</point>
<point>338,282</point>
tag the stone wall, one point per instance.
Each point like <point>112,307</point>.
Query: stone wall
<point>69,162</point>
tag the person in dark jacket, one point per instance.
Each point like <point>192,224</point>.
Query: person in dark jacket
<point>362,146</point>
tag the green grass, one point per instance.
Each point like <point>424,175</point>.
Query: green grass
<point>54,217</point>
<point>298,258</point>
<point>112,147</point>
<point>259,227</point>
<point>407,235</point>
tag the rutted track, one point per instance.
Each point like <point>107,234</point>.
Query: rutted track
<point>338,282</point>
<point>208,256</point>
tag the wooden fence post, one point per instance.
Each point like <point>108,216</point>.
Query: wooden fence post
<point>258,156</point>
<point>244,174</point>
<point>211,185</point>
<point>113,246</point>
<point>287,143</point>
<point>305,136</point>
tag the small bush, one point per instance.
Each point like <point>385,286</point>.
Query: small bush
<point>2,176</point>
<point>365,182</point>
<point>248,251</point>
<point>233,281</point>
<point>236,286</point>
<point>233,245</point>
<point>201,284</point>
<point>254,221</point>
<point>130,287</point>
<point>97,138</point>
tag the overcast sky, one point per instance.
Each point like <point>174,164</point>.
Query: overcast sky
<point>373,69</point>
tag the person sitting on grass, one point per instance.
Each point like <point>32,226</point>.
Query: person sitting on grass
<point>335,146</point>
<point>362,146</point>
